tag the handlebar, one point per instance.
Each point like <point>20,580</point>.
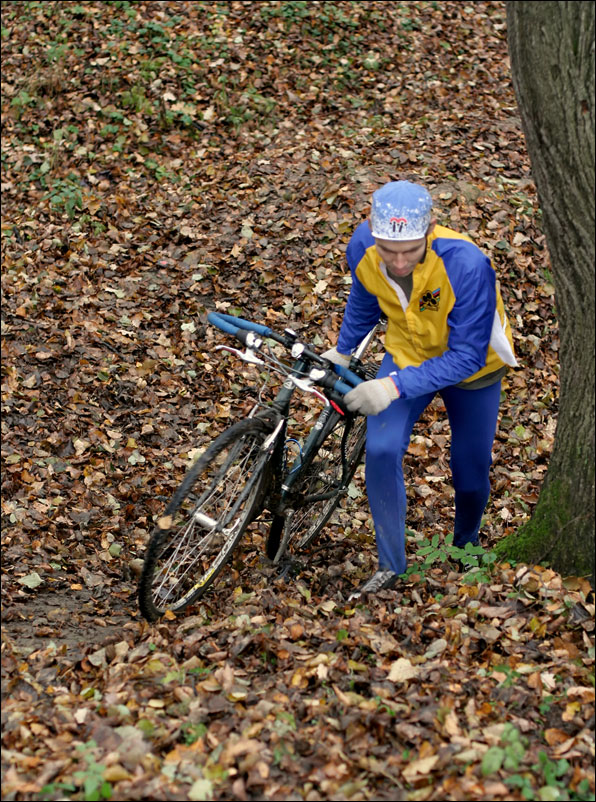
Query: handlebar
<point>248,333</point>
<point>236,325</point>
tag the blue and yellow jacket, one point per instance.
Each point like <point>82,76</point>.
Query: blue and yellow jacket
<point>453,328</point>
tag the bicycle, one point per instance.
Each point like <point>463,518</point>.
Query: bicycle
<point>248,468</point>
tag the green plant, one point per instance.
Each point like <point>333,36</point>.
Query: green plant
<point>583,792</point>
<point>190,733</point>
<point>56,52</point>
<point>21,101</point>
<point>136,99</point>
<point>478,563</point>
<point>547,781</point>
<point>508,754</point>
<point>50,789</point>
<point>200,671</point>
<point>90,777</point>
<point>546,704</point>
<point>285,722</point>
<point>511,676</point>
<point>475,561</point>
<point>279,752</point>
<point>65,195</point>
<point>109,130</point>
<point>552,774</point>
<point>552,771</point>
<point>382,707</point>
<point>291,12</point>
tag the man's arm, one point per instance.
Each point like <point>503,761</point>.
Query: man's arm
<point>470,324</point>
<point>361,314</point>
<point>362,309</point>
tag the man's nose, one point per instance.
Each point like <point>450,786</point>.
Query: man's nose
<point>398,260</point>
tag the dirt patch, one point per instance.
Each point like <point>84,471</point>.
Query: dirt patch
<point>75,621</point>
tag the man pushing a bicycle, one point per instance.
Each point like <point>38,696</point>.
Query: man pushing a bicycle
<point>447,333</point>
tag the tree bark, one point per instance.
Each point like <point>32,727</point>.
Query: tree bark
<point>551,46</point>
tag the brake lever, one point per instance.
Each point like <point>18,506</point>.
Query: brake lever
<point>306,385</point>
<point>246,356</point>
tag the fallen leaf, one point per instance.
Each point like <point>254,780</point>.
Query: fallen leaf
<point>419,768</point>
<point>32,580</point>
<point>402,670</point>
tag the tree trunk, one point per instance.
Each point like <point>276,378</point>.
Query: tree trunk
<point>551,46</point>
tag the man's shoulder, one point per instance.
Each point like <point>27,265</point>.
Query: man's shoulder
<point>362,235</point>
<point>360,241</point>
<point>450,245</point>
<point>446,236</point>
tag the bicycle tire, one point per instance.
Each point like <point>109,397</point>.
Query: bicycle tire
<point>203,523</point>
<point>329,471</point>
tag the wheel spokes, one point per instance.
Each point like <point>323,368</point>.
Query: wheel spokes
<point>203,526</point>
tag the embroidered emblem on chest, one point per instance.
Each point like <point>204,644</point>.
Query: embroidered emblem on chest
<point>430,301</point>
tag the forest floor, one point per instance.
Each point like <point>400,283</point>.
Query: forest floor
<point>161,159</point>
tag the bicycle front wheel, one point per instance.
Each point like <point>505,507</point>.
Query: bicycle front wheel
<point>205,520</point>
<point>324,480</point>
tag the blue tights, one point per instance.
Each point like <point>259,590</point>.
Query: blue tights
<point>473,419</point>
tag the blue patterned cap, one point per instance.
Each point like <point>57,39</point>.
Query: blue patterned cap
<point>400,211</point>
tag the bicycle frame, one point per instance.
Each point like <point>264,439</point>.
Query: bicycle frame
<point>277,494</point>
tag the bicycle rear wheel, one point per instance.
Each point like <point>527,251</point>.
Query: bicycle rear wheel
<point>205,520</point>
<point>322,483</point>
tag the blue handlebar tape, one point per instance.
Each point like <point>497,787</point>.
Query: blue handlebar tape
<point>231,324</point>
<point>348,375</point>
<point>342,387</point>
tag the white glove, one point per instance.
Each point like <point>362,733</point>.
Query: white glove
<point>334,356</point>
<point>372,397</point>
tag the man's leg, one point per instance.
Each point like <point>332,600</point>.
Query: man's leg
<point>473,420</point>
<point>387,439</point>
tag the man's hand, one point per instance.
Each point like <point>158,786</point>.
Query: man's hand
<point>372,397</point>
<point>334,356</point>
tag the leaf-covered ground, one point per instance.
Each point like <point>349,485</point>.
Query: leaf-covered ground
<point>161,159</point>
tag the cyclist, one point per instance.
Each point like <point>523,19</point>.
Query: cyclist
<point>447,333</point>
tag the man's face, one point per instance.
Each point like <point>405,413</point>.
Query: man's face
<point>401,258</point>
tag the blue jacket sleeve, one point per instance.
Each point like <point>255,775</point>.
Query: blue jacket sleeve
<point>470,323</point>
<point>362,309</point>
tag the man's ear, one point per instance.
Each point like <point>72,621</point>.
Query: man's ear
<point>369,224</point>
<point>431,226</point>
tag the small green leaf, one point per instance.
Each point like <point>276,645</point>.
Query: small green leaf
<point>492,760</point>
